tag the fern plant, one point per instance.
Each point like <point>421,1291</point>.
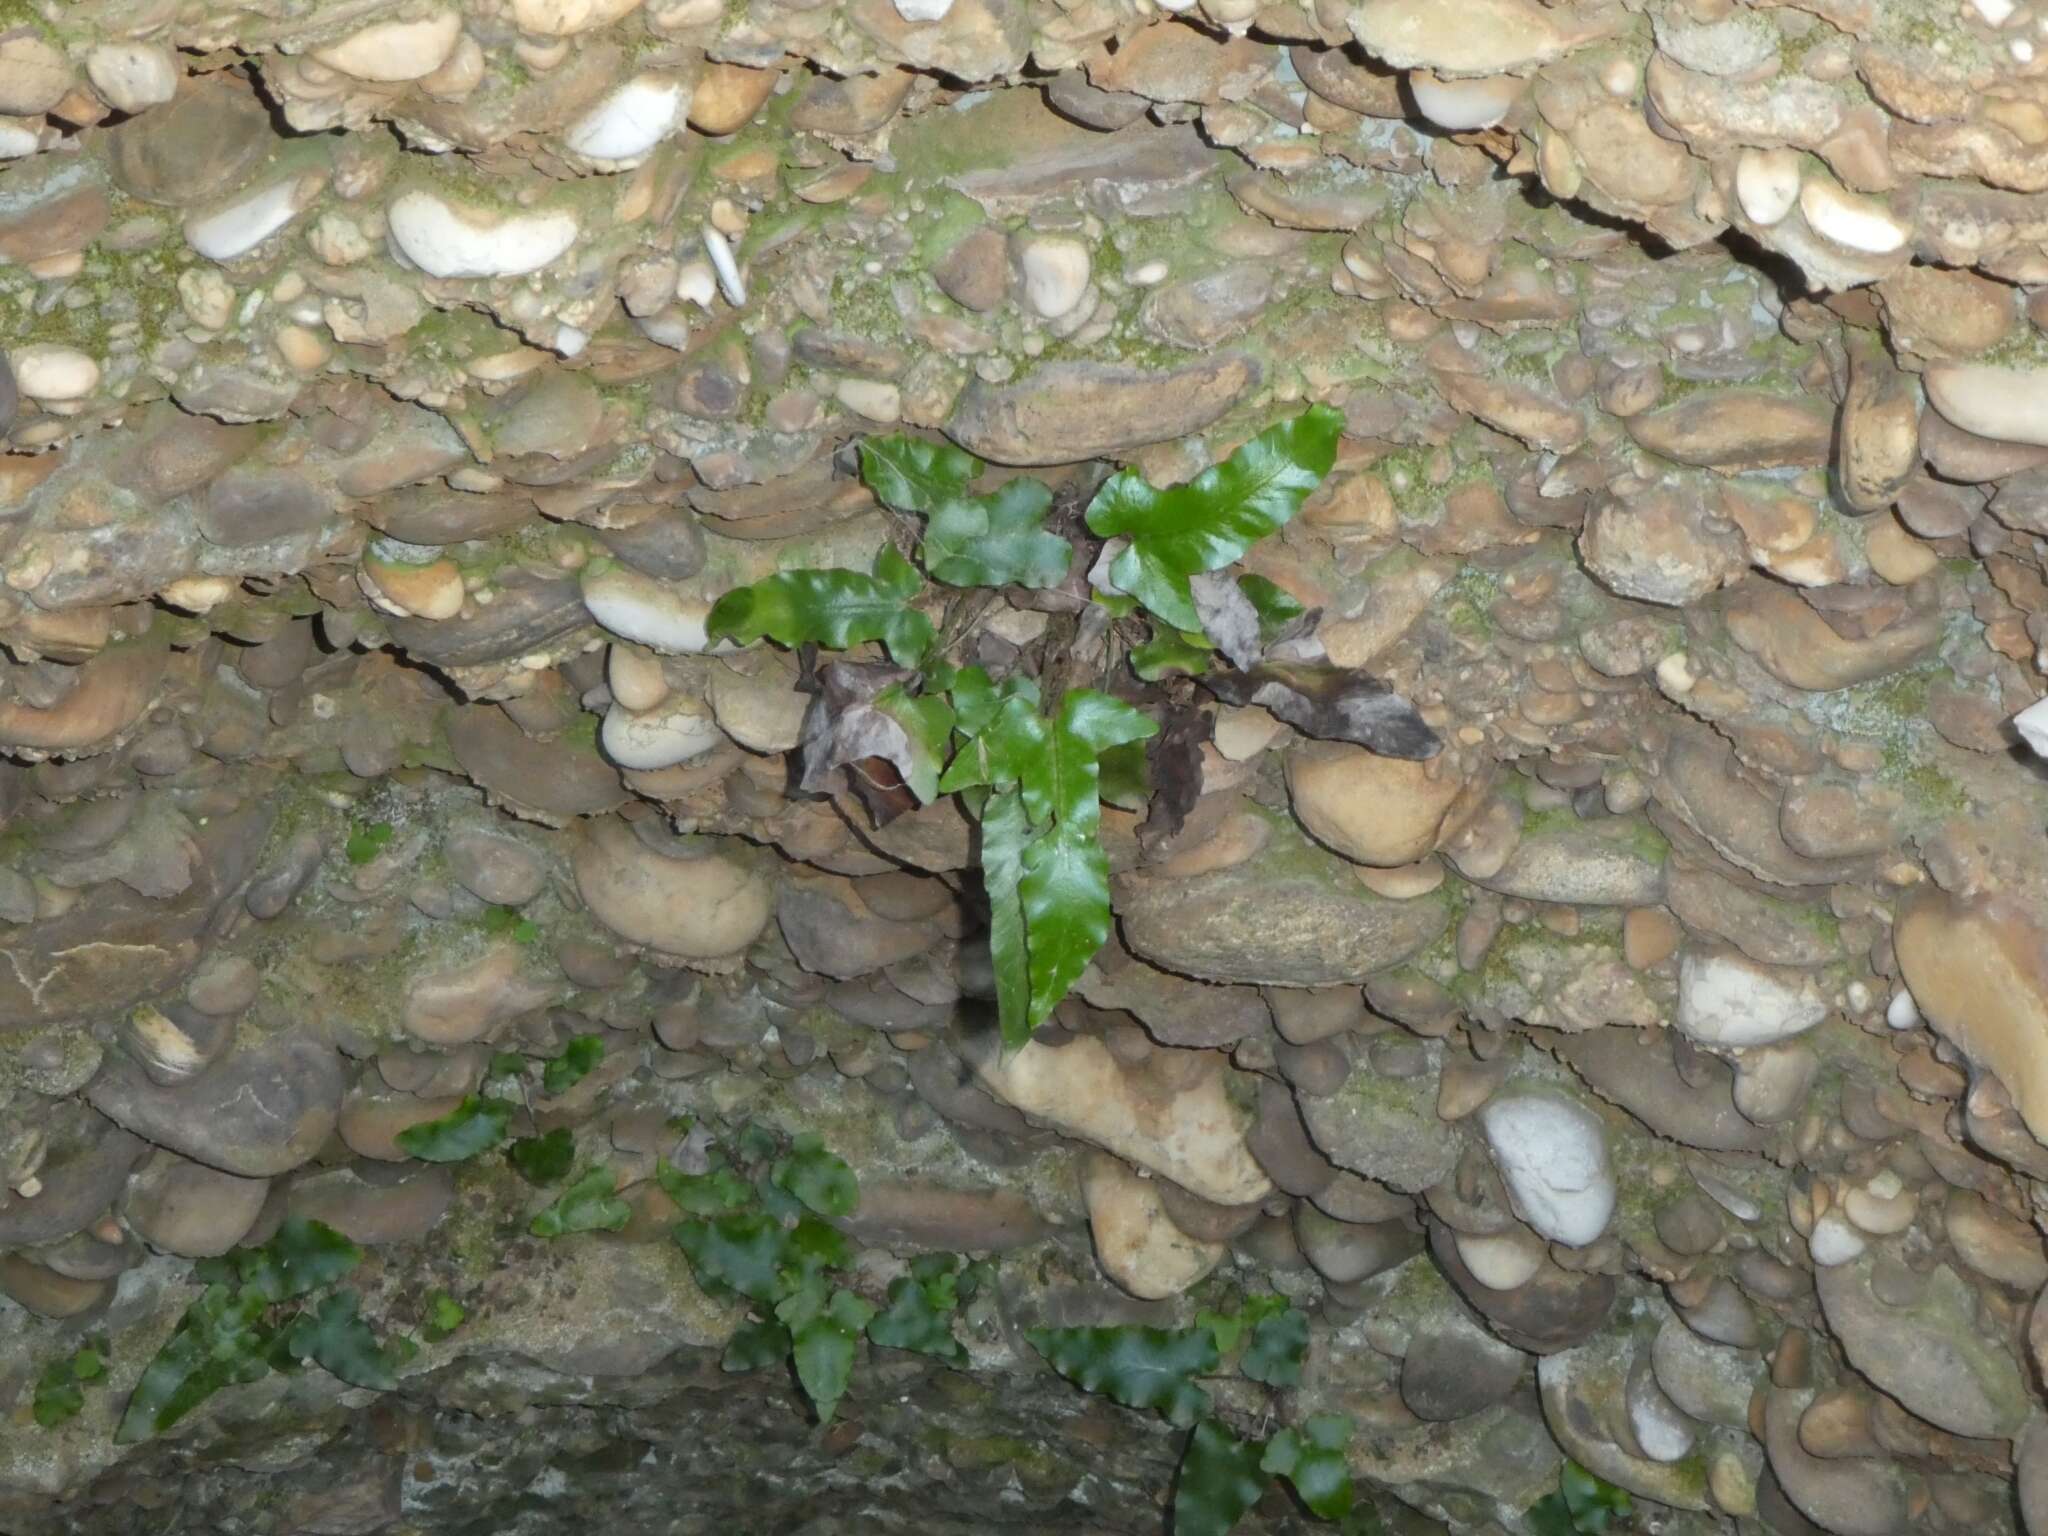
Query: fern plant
<point>1140,582</point>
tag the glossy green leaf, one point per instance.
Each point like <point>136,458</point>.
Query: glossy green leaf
<point>741,1250</point>
<point>996,540</point>
<point>1126,776</point>
<point>578,1057</point>
<point>60,1389</point>
<point>591,1204</point>
<point>758,1343</point>
<point>915,1320</point>
<point>834,608</point>
<point>1065,892</point>
<point>334,1337</point>
<point>1278,1346</point>
<point>444,1315</point>
<point>1313,1460</point>
<point>939,1276</point>
<point>820,1179</point>
<point>1218,1483</point>
<point>822,1342</point>
<point>913,473</point>
<point>219,1342</point>
<point>1004,831</point>
<point>475,1125</point>
<point>1550,1516</point>
<point>812,1247</point>
<point>1138,1367</point>
<point>1213,519</point>
<point>544,1159</point>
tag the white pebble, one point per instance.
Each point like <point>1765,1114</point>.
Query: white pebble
<point>245,223</point>
<point>444,241</point>
<point>1552,1154</point>
<point>132,76</point>
<point>51,373</point>
<point>1902,1012</point>
<point>730,282</point>
<point>631,120</point>
<point>1834,1241</point>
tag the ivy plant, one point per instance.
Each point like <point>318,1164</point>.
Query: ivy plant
<point>269,1307</point>
<point>1034,742</point>
<point>760,1225</point>
<point>1584,1505</point>
<point>1222,1474</point>
<point>60,1390</point>
<point>366,840</point>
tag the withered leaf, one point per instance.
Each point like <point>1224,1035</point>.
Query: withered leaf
<point>1331,703</point>
<point>893,743</point>
<point>1175,759</point>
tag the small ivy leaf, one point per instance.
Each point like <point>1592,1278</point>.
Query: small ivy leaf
<point>572,1066</point>
<point>811,1247</point>
<point>1138,1367</point>
<point>1277,1348</point>
<point>913,474</point>
<point>1169,652</point>
<point>591,1204</point>
<point>1331,703</point>
<point>823,1346</point>
<point>1209,522</point>
<point>977,701</point>
<point>703,1194</point>
<point>913,1321</point>
<point>334,1337</point>
<point>1004,830</point>
<point>544,1159</point>
<point>835,608</point>
<point>219,1342</point>
<point>741,1250</point>
<point>55,1401</point>
<point>820,1179</point>
<point>1226,1328</point>
<point>367,841</point>
<point>473,1126</point>
<point>1593,1501</point>
<point>1218,1483</point>
<point>971,1279</point>
<point>444,1315</point>
<point>938,1275</point>
<point>758,1343</point>
<point>996,540</point>
<point>1313,1460</point>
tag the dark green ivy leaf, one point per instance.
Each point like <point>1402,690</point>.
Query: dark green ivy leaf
<point>1213,519</point>
<point>544,1159</point>
<point>835,608</point>
<point>572,1066</point>
<point>1138,1367</point>
<point>1550,1516</point>
<point>996,540</point>
<point>334,1337</point>
<point>475,1125</point>
<point>1218,1483</point>
<point>703,1194</point>
<point>1275,606</point>
<point>759,1342</point>
<point>741,1250</point>
<point>1313,1460</point>
<point>913,1320</point>
<point>914,474</point>
<point>1276,1350</point>
<point>820,1179</point>
<point>1169,652</point>
<point>822,1340</point>
<point>591,1204</point>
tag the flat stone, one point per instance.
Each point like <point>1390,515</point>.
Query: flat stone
<point>1062,412</point>
<point>262,1110</point>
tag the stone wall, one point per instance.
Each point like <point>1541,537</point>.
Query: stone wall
<point>1654,1077</point>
